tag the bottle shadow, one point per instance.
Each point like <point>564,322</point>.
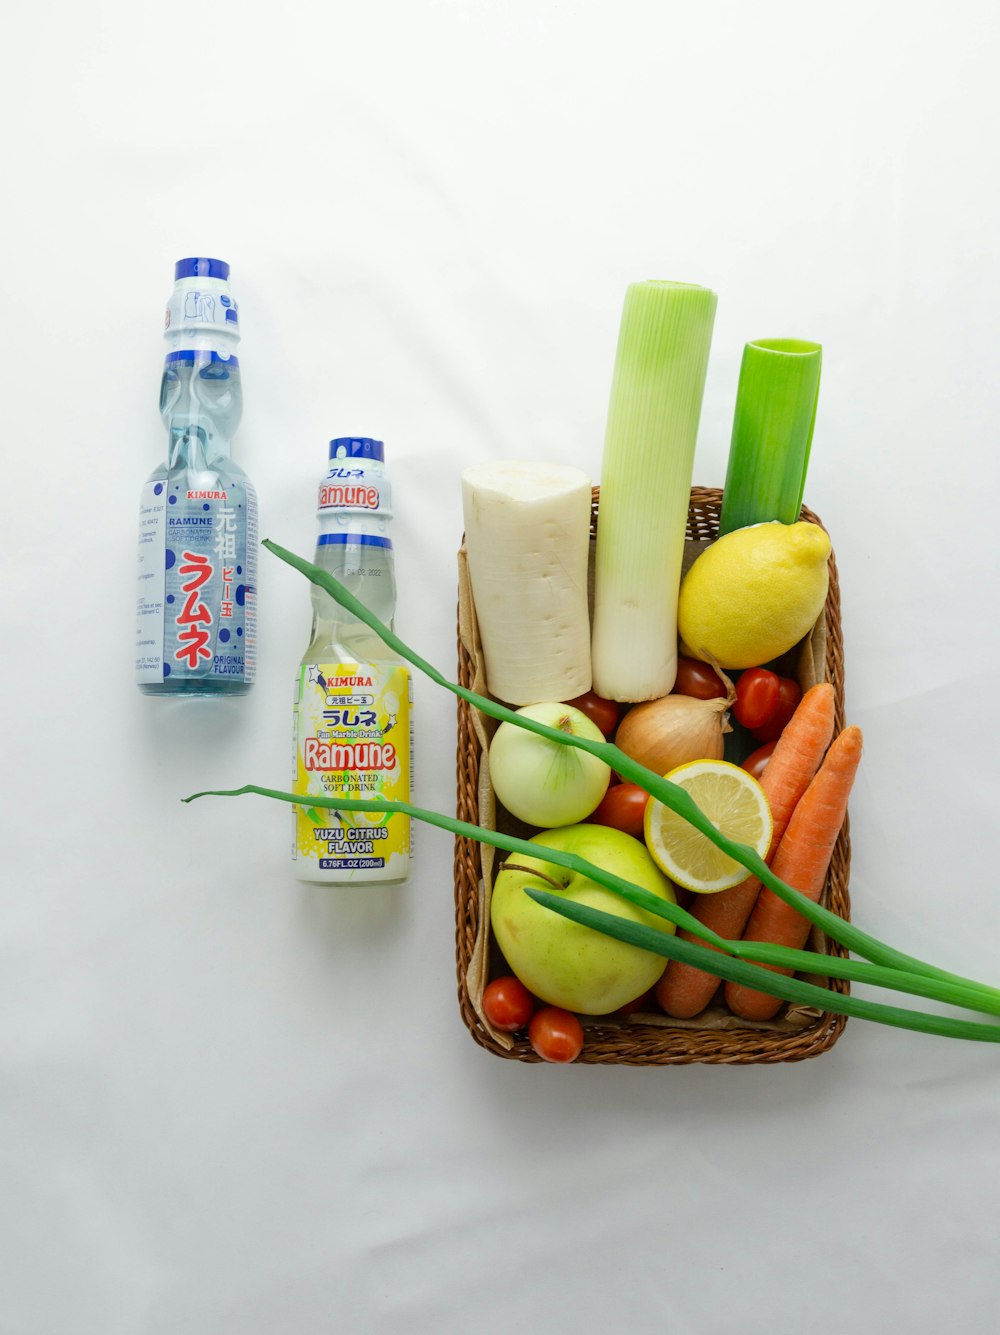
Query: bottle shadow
<point>343,915</point>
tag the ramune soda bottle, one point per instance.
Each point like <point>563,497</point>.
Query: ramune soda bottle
<point>196,605</point>
<point>353,696</point>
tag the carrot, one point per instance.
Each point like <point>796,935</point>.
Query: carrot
<point>684,990</point>
<point>802,860</point>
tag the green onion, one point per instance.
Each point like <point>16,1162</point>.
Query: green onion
<point>508,842</point>
<point>901,967</point>
<point>673,948</point>
<point>971,997</point>
<point>772,433</point>
<point>656,393</point>
<point>672,796</point>
<point>789,989</point>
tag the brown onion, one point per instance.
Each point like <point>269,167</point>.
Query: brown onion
<point>662,734</point>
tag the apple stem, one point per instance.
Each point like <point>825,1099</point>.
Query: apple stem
<point>532,871</point>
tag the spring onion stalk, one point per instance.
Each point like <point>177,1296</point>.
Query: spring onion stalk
<point>656,393</point>
<point>860,971</point>
<point>734,970</point>
<point>970,997</point>
<point>508,842</point>
<point>670,794</point>
<point>772,433</point>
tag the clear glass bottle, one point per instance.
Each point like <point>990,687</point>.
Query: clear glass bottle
<point>352,719</point>
<point>197,568</point>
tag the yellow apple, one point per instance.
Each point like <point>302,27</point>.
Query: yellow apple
<point>563,962</point>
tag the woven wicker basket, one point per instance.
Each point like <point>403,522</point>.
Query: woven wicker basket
<point>643,1040</point>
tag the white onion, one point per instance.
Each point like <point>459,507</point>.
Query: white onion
<point>542,782</point>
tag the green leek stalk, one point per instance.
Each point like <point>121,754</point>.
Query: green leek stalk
<point>656,394</point>
<point>772,433</point>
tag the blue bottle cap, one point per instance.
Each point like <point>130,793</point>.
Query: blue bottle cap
<point>201,268</point>
<point>357,447</point>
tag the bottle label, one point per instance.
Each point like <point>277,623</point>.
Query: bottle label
<point>352,738</point>
<point>197,583</point>
<point>352,487</point>
<point>202,304</point>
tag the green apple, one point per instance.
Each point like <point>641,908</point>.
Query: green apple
<point>563,962</point>
<point>543,782</point>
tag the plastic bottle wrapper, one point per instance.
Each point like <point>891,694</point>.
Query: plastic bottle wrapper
<point>352,739</point>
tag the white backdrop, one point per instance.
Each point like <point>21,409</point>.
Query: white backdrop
<point>233,1105</point>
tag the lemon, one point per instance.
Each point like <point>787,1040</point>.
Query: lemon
<point>754,593</point>
<point>733,801</point>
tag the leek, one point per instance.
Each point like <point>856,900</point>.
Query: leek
<point>772,433</point>
<point>656,393</point>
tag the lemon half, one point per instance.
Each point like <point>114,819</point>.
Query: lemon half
<point>732,800</point>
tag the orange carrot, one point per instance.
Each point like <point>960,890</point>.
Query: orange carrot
<point>802,860</point>
<point>683,990</point>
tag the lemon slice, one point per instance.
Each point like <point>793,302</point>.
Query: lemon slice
<point>732,800</point>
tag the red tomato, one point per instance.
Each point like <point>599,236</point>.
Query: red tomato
<point>600,711</point>
<point>507,1004</point>
<point>643,1003</point>
<point>757,693</point>
<point>756,763</point>
<point>555,1034</point>
<point>698,679</point>
<point>790,693</point>
<point>622,807</point>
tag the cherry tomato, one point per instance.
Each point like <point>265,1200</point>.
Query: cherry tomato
<point>643,1003</point>
<point>757,693</point>
<point>622,807</point>
<point>790,693</point>
<point>600,711</point>
<point>555,1034</point>
<point>507,1004</point>
<point>756,763</point>
<point>698,679</point>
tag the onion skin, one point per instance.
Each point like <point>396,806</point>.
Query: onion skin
<point>662,734</point>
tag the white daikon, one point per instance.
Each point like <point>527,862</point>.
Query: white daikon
<point>527,535</point>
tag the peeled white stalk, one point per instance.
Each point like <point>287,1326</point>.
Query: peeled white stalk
<point>527,534</point>
<point>656,393</point>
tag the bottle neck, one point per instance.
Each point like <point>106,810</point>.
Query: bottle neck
<point>196,447</point>
<point>364,566</point>
<point>337,641</point>
<point>201,404</point>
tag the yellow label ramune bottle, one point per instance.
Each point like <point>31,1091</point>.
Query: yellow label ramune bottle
<point>353,697</point>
